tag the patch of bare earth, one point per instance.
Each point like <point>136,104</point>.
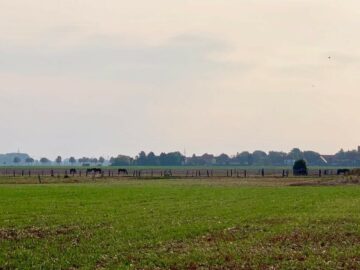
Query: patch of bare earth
<point>34,233</point>
<point>320,249</point>
<point>329,246</point>
<point>351,180</point>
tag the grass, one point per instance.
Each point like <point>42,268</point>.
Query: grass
<point>179,224</point>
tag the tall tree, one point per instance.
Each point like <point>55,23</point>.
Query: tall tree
<point>44,160</point>
<point>244,158</point>
<point>277,158</point>
<point>171,159</point>
<point>29,160</point>
<point>295,154</point>
<point>121,160</point>
<point>58,160</point>
<point>141,158</point>
<point>223,159</point>
<point>84,160</point>
<point>152,159</point>
<point>259,158</point>
<point>72,160</point>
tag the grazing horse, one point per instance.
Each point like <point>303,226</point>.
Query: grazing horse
<point>123,171</point>
<point>94,170</point>
<point>73,171</point>
<point>343,171</point>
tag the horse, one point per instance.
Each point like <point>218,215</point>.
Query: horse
<point>94,170</point>
<point>343,171</point>
<point>123,171</point>
<point>73,171</point>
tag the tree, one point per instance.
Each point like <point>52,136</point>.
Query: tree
<point>84,160</point>
<point>29,160</point>
<point>141,158</point>
<point>193,160</point>
<point>101,160</point>
<point>295,154</point>
<point>94,160</point>
<point>44,160</point>
<point>276,158</point>
<point>171,159</point>
<point>121,160</point>
<point>58,160</point>
<point>300,168</point>
<point>244,158</point>
<point>152,159</point>
<point>17,160</point>
<point>223,159</point>
<point>259,158</point>
<point>348,158</point>
<point>72,160</point>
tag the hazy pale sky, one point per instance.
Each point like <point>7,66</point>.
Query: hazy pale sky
<point>90,77</point>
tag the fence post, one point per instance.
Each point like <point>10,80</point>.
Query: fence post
<point>245,173</point>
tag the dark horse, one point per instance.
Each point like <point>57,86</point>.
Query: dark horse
<point>123,171</point>
<point>343,171</point>
<point>73,171</point>
<point>94,170</point>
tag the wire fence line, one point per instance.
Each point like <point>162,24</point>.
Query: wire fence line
<point>156,172</point>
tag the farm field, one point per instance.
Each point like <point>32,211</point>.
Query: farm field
<point>253,223</point>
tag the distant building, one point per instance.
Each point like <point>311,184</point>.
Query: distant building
<point>328,159</point>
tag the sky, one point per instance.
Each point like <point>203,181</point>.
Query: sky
<point>91,78</point>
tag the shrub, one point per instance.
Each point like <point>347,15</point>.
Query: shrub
<point>300,168</point>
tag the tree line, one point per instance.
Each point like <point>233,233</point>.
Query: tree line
<point>256,158</point>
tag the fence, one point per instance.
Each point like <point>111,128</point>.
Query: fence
<point>158,173</point>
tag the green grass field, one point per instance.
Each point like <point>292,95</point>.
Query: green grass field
<point>179,224</point>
